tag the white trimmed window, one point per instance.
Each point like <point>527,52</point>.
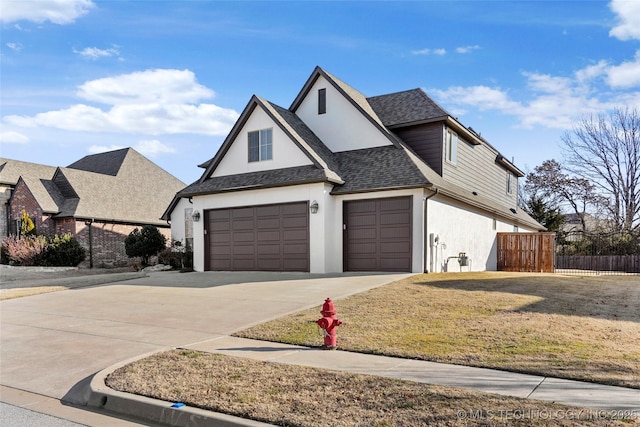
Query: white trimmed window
<point>260,145</point>
<point>509,183</point>
<point>450,146</point>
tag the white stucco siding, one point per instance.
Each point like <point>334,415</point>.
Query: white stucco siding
<point>179,222</point>
<point>325,227</point>
<point>462,228</point>
<point>342,127</point>
<point>285,152</point>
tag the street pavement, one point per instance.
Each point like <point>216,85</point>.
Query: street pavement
<point>57,347</point>
<point>52,344</point>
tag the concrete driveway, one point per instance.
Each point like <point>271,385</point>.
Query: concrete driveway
<point>50,343</point>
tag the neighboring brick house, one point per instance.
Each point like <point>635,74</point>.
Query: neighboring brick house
<point>99,199</point>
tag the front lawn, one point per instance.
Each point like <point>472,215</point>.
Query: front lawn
<point>583,328</point>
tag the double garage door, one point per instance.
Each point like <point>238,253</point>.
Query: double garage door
<point>258,238</point>
<point>377,236</point>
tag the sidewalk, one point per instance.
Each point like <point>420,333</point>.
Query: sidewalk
<point>588,395</point>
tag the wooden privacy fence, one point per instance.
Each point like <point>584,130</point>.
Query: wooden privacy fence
<point>601,263</point>
<point>526,252</point>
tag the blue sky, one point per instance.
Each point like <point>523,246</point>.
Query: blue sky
<point>169,78</point>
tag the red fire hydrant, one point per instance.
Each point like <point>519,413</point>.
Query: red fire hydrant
<point>328,324</point>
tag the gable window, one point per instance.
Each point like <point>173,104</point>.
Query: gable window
<point>322,101</point>
<point>451,146</point>
<point>260,145</point>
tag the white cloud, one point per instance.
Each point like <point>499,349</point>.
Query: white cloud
<point>428,51</point>
<point>150,148</point>
<point>467,49</point>
<point>628,14</point>
<point>12,137</point>
<point>97,149</point>
<point>153,102</point>
<point>150,86</point>
<point>625,75</point>
<point>17,47</point>
<point>96,53</point>
<point>153,147</point>
<point>592,72</point>
<point>57,11</point>
<point>554,101</point>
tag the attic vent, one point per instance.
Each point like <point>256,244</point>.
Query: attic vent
<point>512,210</point>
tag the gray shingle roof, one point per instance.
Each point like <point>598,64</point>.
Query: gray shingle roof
<point>377,168</point>
<point>406,107</point>
<point>261,179</point>
<point>108,163</point>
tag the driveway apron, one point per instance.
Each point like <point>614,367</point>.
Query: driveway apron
<point>52,342</point>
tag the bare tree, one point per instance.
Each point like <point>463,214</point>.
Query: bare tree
<point>605,149</point>
<point>550,184</point>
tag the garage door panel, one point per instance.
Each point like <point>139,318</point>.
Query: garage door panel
<point>269,250</point>
<point>295,265</point>
<point>240,264</point>
<point>395,218</point>
<point>238,213</point>
<point>362,220</point>
<point>399,204</point>
<point>395,264</point>
<point>358,249</point>
<point>378,235</point>
<point>243,237</point>
<point>395,232</point>
<point>292,249</point>
<point>401,248</point>
<point>270,237</point>
<point>295,222</point>
<point>243,249</point>
<point>355,234</point>
<point>221,264</point>
<point>294,235</point>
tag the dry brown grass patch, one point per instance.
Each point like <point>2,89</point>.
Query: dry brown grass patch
<point>298,396</point>
<point>584,328</point>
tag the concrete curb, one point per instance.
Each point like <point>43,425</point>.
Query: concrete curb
<point>104,399</point>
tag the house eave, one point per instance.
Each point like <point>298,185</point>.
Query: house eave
<point>371,190</point>
<point>254,187</point>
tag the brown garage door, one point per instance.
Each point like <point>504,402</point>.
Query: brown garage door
<point>377,235</point>
<point>258,238</point>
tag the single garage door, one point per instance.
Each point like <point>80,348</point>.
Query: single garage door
<point>377,235</point>
<point>258,238</point>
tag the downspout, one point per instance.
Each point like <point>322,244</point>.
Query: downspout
<point>424,231</point>
<point>89,224</point>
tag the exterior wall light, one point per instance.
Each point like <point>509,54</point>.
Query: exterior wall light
<point>196,216</point>
<point>313,207</point>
